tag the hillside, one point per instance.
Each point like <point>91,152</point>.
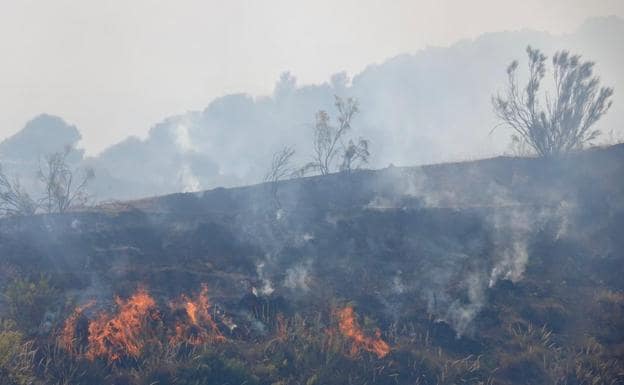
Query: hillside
<point>497,271</point>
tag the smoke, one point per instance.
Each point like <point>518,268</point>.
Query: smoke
<point>398,287</point>
<point>508,209</point>
<point>512,264</point>
<point>188,180</point>
<point>511,231</point>
<point>298,277</point>
<point>461,314</point>
<point>183,138</point>
<point>427,107</point>
<point>267,285</point>
<point>480,219</point>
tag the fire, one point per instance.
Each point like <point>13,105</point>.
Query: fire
<point>114,336</point>
<point>199,327</point>
<point>350,328</point>
<point>67,336</point>
<point>136,323</point>
<point>191,311</point>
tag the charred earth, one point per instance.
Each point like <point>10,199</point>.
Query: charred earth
<point>499,271</point>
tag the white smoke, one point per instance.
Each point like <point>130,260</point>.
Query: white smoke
<point>267,285</point>
<point>298,277</point>
<point>460,315</point>
<point>189,182</point>
<point>183,138</point>
<point>398,287</point>
<point>512,264</point>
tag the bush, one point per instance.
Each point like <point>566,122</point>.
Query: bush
<point>16,357</point>
<point>27,302</point>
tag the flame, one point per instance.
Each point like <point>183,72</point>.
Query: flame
<point>112,337</point>
<point>350,328</point>
<point>199,328</point>
<point>191,311</point>
<point>67,336</point>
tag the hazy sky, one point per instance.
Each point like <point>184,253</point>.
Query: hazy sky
<point>115,67</point>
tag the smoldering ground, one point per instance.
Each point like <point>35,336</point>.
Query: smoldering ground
<point>443,237</point>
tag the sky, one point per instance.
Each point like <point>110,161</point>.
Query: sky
<point>114,68</point>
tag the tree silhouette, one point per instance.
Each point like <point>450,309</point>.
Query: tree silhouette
<point>558,123</point>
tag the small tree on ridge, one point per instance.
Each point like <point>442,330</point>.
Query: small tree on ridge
<point>559,123</point>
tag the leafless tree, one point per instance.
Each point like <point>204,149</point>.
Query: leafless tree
<point>65,188</point>
<point>354,155</point>
<point>561,122</point>
<point>329,139</point>
<point>281,168</point>
<point>14,200</point>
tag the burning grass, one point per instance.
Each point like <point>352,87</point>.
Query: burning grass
<point>138,322</point>
<point>67,337</point>
<point>195,325</point>
<point>114,336</point>
<point>350,328</point>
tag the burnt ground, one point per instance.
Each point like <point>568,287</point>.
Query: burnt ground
<point>503,270</point>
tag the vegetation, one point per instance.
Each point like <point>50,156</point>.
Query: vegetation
<point>14,200</point>
<point>540,330</point>
<point>331,150</point>
<point>16,356</point>
<point>280,169</point>
<point>310,348</point>
<point>329,141</point>
<point>27,302</point>
<point>561,122</point>
<point>64,188</point>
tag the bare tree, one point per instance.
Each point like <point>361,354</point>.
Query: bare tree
<point>561,122</point>
<point>14,200</point>
<point>329,139</point>
<point>354,155</point>
<point>280,165</point>
<point>64,188</point>
<point>281,168</point>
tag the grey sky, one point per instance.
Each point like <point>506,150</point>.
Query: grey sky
<point>114,68</point>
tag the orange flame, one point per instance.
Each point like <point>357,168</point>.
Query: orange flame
<point>350,328</point>
<point>201,328</point>
<point>67,336</point>
<point>113,337</point>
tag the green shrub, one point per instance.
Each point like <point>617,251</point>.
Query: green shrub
<point>27,302</point>
<point>16,357</point>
